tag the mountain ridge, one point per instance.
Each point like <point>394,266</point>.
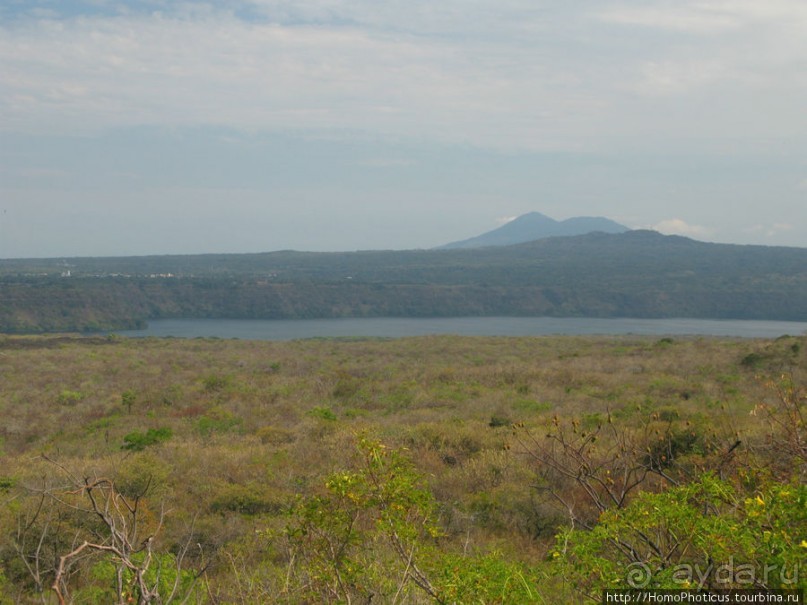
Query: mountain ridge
<point>533,226</point>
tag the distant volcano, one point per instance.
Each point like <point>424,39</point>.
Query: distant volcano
<point>534,225</point>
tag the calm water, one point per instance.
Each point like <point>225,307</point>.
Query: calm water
<point>265,329</point>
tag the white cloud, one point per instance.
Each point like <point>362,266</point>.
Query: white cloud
<point>770,230</point>
<point>503,220</point>
<point>727,50</point>
<point>696,104</point>
<point>674,77</point>
<point>419,17</point>
<point>677,226</point>
<point>696,17</point>
<point>508,74</point>
<point>706,17</point>
<point>384,162</point>
<point>101,73</point>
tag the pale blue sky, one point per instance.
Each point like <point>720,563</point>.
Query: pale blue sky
<point>157,127</point>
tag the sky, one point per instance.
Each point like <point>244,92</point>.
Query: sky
<point>183,127</point>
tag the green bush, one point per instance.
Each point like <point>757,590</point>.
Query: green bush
<point>5,585</point>
<point>217,420</point>
<point>698,535</point>
<point>217,382</point>
<point>164,575</point>
<point>367,533</point>
<point>322,413</point>
<point>128,398</point>
<point>143,473</point>
<point>243,499</point>
<point>497,421</point>
<point>139,441</point>
<point>487,579</point>
<point>68,397</point>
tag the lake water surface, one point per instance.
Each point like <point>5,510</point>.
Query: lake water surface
<point>394,327</point>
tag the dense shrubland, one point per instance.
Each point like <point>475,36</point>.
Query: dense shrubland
<point>418,470</point>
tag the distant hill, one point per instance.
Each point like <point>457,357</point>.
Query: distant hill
<point>633,274</point>
<point>533,226</point>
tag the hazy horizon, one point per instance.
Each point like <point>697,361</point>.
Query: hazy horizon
<point>155,127</point>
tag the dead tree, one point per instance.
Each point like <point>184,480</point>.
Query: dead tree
<point>106,524</point>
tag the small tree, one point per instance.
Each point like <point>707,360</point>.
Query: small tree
<point>588,470</point>
<point>89,527</point>
<point>337,538</point>
<point>786,442</point>
<point>128,398</point>
<point>699,535</point>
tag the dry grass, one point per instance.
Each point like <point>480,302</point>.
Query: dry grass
<point>255,423</point>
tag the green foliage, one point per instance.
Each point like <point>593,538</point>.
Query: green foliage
<point>217,382</point>
<point>774,357</point>
<point>137,441</point>
<point>5,586</point>
<point>68,397</point>
<point>497,421</point>
<point>217,420</point>
<point>274,435</point>
<point>322,413</point>
<point>346,387</point>
<point>752,360</point>
<point>141,474</point>
<point>102,423</point>
<point>488,579</point>
<point>243,499</point>
<point>338,534</point>
<point>163,574</point>
<point>172,395</point>
<point>672,445</point>
<point>128,398</point>
<point>701,534</point>
<point>341,536</point>
<point>532,406</point>
<point>787,420</point>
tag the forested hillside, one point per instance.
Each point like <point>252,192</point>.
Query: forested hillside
<point>635,274</point>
